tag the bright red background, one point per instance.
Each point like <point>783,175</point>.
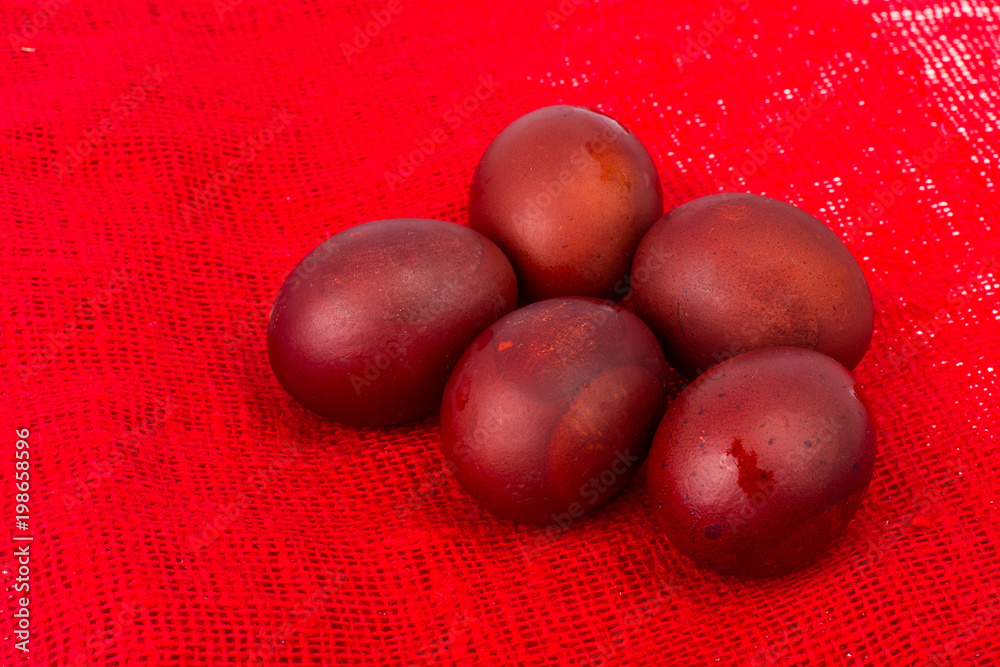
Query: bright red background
<point>186,511</point>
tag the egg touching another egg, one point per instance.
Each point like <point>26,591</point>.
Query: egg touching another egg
<point>366,329</point>
<point>551,410</point>
<point>761,462</point>
<point>729,273</point>
<point>567,193</point>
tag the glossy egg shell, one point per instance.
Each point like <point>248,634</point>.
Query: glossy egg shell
<point>551,411</point>
<point>567,193</point>
<point>366,329</point>
<point>729,273</point>
<point>761,462</point>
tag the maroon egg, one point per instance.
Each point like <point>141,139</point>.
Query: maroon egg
<point>762,461</point>
<point>366,329</point>
<point>567,193</point>
<point>728,273</point>
<point>551,411</point>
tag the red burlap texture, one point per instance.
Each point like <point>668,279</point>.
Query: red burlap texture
<point>164,165</point>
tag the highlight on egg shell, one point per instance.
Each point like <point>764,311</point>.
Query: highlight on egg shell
<point>366,329</point>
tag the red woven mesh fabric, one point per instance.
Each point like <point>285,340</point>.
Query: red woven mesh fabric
<point>164,165</point>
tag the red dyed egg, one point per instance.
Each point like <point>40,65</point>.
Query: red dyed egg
<point>729,273</point>
<point>366,329</point>
<point>762,461</point>
<point>567,193</point>
<point>550,412</point>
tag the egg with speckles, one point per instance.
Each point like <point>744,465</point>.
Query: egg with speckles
<point>567,193</point>
<point>732,272</point>
<point>761,462</point>
<point>551,410</point>
<point>366,329</point>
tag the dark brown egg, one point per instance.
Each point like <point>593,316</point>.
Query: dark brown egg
<point>567,193</point>
<point>761,462</point>
<point>366,329</point>
<point>550,412</point>
<point>729,273</point>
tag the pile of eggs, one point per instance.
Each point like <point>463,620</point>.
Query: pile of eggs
<point>552,396</point>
